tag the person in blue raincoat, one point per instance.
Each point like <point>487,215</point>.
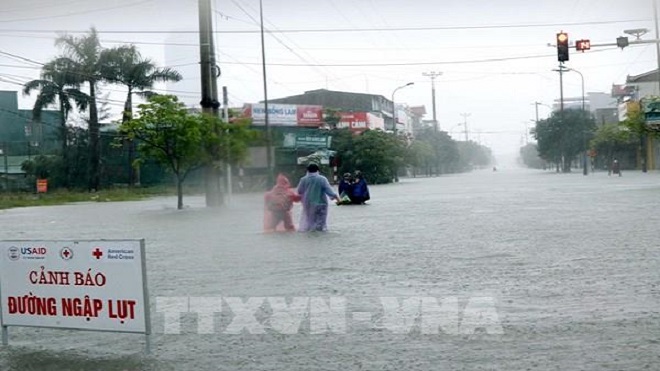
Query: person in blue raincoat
<point>346,188</point>
<point>314,190</point>
<point>360,189</point>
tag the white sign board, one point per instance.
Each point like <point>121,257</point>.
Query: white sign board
<point>278,114</point>
<point>88,285</point>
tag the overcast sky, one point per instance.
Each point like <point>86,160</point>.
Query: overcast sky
<point>324,44</point>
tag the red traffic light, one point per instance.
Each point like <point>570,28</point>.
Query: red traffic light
<point>582,45</point>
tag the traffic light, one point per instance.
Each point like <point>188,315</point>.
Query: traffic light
<point>582,45</point>
<point>622,42</point>
<point>562,46</point>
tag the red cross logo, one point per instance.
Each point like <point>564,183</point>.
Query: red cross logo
<point>66,253</point>
<point>97,253</point>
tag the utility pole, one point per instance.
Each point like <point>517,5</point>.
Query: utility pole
<point>465,116</point>
<point>209,102</point>
<point>4,153</point>
<point>657,38</point>
<point>271,175</point>
<point>225,105</point>
<point>561,90</point>
<point>657,51</point>
<point>433,75</point>
<point>536,107</point>
<point>561,99</point>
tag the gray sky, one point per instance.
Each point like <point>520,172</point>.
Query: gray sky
<point>468,41</point>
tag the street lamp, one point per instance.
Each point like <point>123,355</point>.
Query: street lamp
<point>581,77</point>
<point>394,105</point>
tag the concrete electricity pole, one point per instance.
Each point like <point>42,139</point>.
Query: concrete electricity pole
<point>465,116</point>
<point>561,71</point>
<point>210,105</point>
<point>657,38</point>
<point>433,75</point>
<point>225,116</point>
<point>271,174</point>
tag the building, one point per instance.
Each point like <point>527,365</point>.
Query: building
<point>593,102</point>
<point>345,102</point>
<point>417,118</point>
<point>20,135</point>
<point>644,85</point>
<point>630,95</point>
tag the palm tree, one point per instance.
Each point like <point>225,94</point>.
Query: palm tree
<point>57,85</point>
<point>127,67</point>
<point>84,58</point>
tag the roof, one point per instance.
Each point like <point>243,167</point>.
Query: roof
<point>418,110</point>
<point>651,76</point>
<point>347,101</point>
<point>14,164</point>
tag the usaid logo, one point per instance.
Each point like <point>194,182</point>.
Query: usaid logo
<point>14,253</point>
<point>33,251</point>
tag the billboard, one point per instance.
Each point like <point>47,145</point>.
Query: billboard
<point>310,116</point>
<point>85,285</point>
<point>284,114</point>
<point>360,121</point>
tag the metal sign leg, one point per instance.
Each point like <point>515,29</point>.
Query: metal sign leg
<point>5,336</point>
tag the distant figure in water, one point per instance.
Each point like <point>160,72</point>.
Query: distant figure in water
<point>314,189</point>
<point>278,203</point>
<point>616,169</point>
<point>494,168</point>
<point>360,189</point>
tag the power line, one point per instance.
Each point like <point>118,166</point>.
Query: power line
<point>18,57</point>
<point>76,13</point>
<point>280,41</point>
<point>58,4</point>
<point>329,30</point>
<point>487,60</point>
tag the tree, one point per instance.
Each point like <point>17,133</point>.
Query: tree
<point>419,154</point>
<point>612,140</point>
<point>445,151</point>
<point>84,59</point>
<point>57,86</point>
<point>331,117</point>
<point>127,67</point>
<point>473,154</point>
<point>172,136</point>
<point>529,156</point>
<point>563,136</point>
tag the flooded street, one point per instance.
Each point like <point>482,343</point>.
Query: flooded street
<point>570,264</point>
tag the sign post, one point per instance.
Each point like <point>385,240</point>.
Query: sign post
<point>97,285</point>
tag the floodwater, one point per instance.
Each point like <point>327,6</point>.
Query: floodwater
<point>570,265</point>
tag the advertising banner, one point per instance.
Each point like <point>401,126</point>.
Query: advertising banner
<point>87,285</point>
<point>278,114</point>
<point>310,116</point>
<point>360,121</point>
<point>307,140</point>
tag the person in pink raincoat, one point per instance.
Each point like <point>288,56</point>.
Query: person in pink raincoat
<point>314,189</point>
<point>278,203</point>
